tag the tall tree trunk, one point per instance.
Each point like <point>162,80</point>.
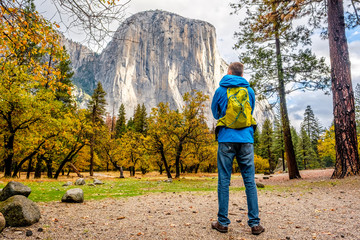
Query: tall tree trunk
<point>9,153</point>
<point>49,168</point>
<point>121,172</point>
<point>160,168</point>
<point>289,148</point>
<point>347,156</point>
<point>75,170</point>
<point>197,168</point>
<point>92,156</point>
<point>163,158</point>
<point>38,166</point>
<point>177,159</point>
<point>29,169</point>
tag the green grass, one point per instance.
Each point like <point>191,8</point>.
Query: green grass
<point>47,191</point>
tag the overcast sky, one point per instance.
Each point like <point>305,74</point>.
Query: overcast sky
<point>217,13</point>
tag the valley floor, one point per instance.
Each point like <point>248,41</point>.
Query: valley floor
<point>314,207</point>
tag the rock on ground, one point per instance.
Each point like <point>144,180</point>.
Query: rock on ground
<point>98,182</point>
<point>14,188</point>
<point>80,181</point>
<point>2,222</point>
<point>67,184</point>
<point>75,195</point>
<point>19,211</point>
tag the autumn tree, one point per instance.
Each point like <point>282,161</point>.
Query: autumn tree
<point>31,79</point>
<point>94,18</point>
<point>157,139</point>
<point>187,125</point>
<point>279,56</point>
<point>327,147</point>
<point>96,110</point>
<point>132,150</point>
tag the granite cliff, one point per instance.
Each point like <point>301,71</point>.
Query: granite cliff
<point>154,57</point>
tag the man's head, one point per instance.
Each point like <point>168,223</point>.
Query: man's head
<point>236,68</point>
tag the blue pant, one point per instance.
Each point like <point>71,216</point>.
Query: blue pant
<point>244,153</point>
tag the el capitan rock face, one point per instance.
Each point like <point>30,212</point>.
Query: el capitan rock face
<point>158,56</point>
<point>153,57</point>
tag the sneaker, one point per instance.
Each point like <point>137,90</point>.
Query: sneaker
<point>216,225</point>
<point>256,230</point>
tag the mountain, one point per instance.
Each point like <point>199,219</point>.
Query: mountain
<point>153,57</point>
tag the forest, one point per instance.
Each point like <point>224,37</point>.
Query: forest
<point>43,131</point>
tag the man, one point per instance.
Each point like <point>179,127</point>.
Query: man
<point>234,142</point>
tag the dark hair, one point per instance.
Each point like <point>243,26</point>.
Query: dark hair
<point>236,68</point>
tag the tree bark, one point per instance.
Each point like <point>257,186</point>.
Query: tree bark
<point>76,170</point>
<point>29,169</point>
<point>38,166</point>
<point>160,168</point>
<point>121,172</point>
<point>163,158</point>
<point>347,156</point>
<point>68,158</point>
<point>289,148</point>
<point>92,156</point>
<point>9,153</point>
<point>177,159</point>
<point>49,168</point>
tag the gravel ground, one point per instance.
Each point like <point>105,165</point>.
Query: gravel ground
<point>311,208</point>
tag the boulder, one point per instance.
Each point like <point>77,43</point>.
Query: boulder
<point>20,211</point>
<point>14,188</point>
<point>80,181</point>
<point>67,184</point>
<point>75,195</point>
<point>98,182</point>
<point>2,222</point>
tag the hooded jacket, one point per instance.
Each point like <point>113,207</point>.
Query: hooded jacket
<point>219,106</point>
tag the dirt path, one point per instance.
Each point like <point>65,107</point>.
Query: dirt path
<point>312,208</point>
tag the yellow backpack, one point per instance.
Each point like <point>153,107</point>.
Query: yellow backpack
<point>238,111</point>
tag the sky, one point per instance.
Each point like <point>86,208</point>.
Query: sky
<point>218,14</point>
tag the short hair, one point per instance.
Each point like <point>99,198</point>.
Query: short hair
<point>236,68</point>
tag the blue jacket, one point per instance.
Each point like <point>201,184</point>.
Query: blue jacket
<point>219,105</point>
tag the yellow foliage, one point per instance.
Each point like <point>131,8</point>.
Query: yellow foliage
<point>261,164</point>
<point>326,146</point>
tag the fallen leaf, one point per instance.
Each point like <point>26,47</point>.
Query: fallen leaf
<point>120,218</point>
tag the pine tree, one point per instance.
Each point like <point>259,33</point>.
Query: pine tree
<point>305,151</point>
<point>96,109</point>
<point>313,130</point>
<point>278,143</point>
<point>266,144</point>
<point>63,94</point>
<point>295,139</point>
<point>278,54</point>
<point>120,127</point>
